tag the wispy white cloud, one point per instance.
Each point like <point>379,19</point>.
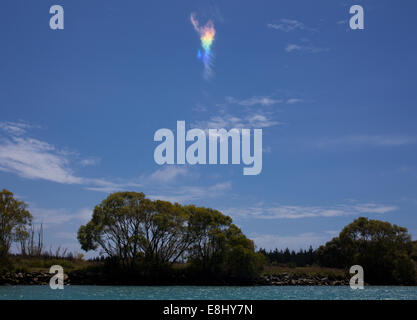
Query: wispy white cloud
<point>373,140</point>
<point>256,100</point>
<point>58,216</point>
<point>168,174</point>
<point>35,159</point>
<point>294,100</point>
<point>14,128</point>
<point>292,47</point>
<point>288,25</point>
<point>89,162</point>
<point>260,117</point>
<point>106,186</point>
<point>299,212</point>
<point>229,121</point>
<point>184,194</point>
<point>200,108</point>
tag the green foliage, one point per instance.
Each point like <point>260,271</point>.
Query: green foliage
<point>46,263</point>
<point>129,227</point>
<point>382,249</point>
<point>207,229</point>
<point>414,251</point>
<point>14,221</point>
<point>219,248</point>
<point>242,262</point>
<point>25,263</point>
<point>140,234</point>
<point>6,264</point>
<point>333,255</point>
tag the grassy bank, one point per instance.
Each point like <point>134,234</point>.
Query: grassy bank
<point>43,264</point>
<point>35,264</point>
<point>93,272</point>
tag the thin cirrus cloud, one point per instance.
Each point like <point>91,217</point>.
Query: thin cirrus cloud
<point>299,212</point>
<point>229,121</point>
<point>261,117</point>
<point>256,100</point>
<point>294,100</point>
<point>288,25</point>
<point>292,47</point>
<point>31,158</point>
<point>168,174</point>
<point>52,217</point>
<point>368,140</point>
<point>34,159</point>
<point>15,128</point>
<point>263,101</point>
<point>191,193</point>
<point>89,162</point>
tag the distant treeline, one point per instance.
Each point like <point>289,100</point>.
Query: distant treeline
<point>300,258</point>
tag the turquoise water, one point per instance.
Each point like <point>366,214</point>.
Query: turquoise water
<point>206,293</point>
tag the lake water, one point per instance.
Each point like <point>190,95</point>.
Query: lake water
<point>206,293</point>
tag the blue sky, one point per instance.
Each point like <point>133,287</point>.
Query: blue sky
<point>79,108</point>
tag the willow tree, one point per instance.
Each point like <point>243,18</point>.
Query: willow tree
<point>127,226</point>
<point>136,231</point>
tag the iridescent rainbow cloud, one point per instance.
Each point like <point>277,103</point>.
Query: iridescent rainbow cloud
<point>207,33</point>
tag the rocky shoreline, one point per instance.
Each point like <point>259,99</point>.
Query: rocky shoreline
<point>28,278</point>
<point>285,279</point>
<point>43,278</point>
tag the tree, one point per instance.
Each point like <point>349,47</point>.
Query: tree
<point>207,230</point>
<point>115,227</point>
<point>14,221</point>
<point>242,261</point>
<point>332,254</point>
<point>127,226</point>
<point>382,249</point>
<point>219,248</point>
<point>414,251</point>
<point>166,236</point>
<point>151,235</point>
